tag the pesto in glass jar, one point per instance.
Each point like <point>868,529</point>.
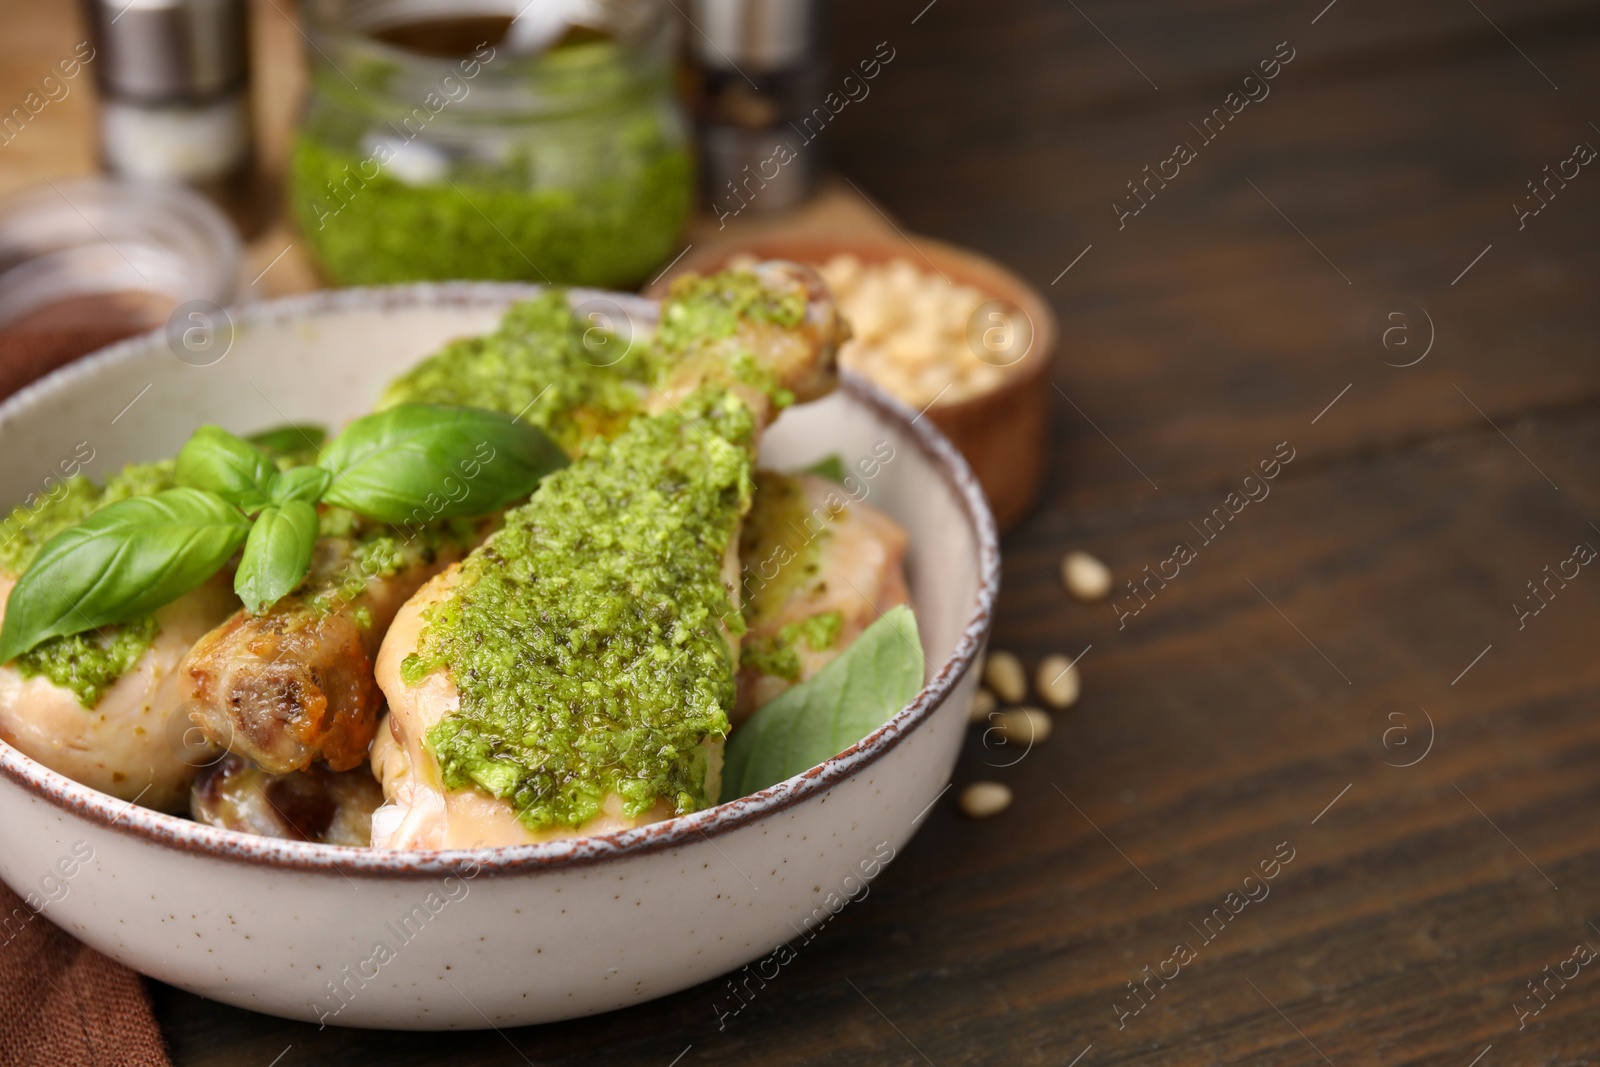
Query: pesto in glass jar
<point>432,148</point>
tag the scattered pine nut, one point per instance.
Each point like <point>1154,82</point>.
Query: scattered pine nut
<point>1005,676</point>
<point>1025,726</point>
<point>983,702</point>
<point>983,800</point>
<point>1085,576</point>
<point>1058,682</point>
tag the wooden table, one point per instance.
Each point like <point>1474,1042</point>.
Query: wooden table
<point>1342,673</point>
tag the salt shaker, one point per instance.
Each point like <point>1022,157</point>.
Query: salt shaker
<point>174,80</point>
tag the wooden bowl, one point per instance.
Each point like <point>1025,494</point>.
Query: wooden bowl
<point>1002,431</point>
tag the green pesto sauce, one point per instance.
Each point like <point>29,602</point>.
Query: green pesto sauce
<point>702,317</point>
<point>585,636</point>
<point>534,365</point>
<point>89,663</point>
<point>611,232</point>
<point>354,550</point>
<point>780,546</point>
<point>780,656</point>
<point>703,310</point>
<point>86,663</point>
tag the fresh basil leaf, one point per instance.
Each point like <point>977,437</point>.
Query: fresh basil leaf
<point>418,463</point>
<point>842,703</point>
<point>231,467</point>
<point>123,561</point>
<point>277,554</point>
<point>300,483</point>
<point>290,440</point>
<point>830,467</point>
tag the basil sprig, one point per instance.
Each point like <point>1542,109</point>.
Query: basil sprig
<point>227,466</point>
<point>277,554</point>
<point>387,466</point>
<point>123,561</point>
<point>289,439</point>
<point>299,483</point>
<point>412,464</point>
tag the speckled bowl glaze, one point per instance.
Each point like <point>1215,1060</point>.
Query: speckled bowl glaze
<point>495,937</point>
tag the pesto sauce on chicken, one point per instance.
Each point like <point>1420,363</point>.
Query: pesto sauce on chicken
<point>780,549</point>
<point>700,314</point>
<point>25,531</point>
<point>87,663</point>
<point>704,310</point>
<point>780,655</point>
<point>90,663</point>
<point>780,546</point>
<point>587,636</point>
<point>536,365</point>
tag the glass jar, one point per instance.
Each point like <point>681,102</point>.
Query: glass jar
<point>432,149</point>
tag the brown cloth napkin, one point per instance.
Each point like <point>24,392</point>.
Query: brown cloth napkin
<point>64,1005</point>
<point>61,1003</point>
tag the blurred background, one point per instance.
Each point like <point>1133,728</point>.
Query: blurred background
<point>605,143</point>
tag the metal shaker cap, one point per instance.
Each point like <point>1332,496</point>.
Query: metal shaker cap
<point>158,50</point>
<point>754,35</point>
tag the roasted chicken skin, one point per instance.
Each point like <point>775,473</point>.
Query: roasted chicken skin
<point>295,685</point>
<point>757,361</point>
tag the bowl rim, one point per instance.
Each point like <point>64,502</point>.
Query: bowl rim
<point>131,821</point>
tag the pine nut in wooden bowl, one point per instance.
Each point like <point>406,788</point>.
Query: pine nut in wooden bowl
<point>943,329</point>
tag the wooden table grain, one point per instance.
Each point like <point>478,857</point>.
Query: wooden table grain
<point>1373,675</point>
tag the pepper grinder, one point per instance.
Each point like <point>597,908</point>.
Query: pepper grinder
<point>759,75</point>
<point>174,81</point>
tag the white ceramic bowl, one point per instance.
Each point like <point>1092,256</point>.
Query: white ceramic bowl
<point>503,937</point>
